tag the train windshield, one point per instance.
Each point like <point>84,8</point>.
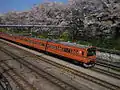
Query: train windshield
<point>91,51</point>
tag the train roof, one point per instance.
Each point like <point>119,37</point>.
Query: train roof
<point>74,44</point>
<point>57,41</point>
<point>65,43</point>
<point>69,44</point>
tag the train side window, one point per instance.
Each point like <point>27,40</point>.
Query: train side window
<point>48,46</point>
<point>55,47</point>
<point>71,51</point>
<point>67,50</point>
<point>52,47</point>
<point>82,53</point>
<point>60,48</point>
<point>75,52</point>
<point>42,44</point>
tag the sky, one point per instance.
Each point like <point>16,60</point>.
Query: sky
<point>21,5</point>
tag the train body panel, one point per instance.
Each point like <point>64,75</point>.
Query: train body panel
<point>67,51</point>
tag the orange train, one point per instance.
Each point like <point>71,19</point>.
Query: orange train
<point>83,54</point>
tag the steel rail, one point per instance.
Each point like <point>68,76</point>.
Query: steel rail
<point>40,72</point>
<point>81,74</point>
<point>14,80</point>
<point>4,83</point>
<point>106,72</point>
<point>108,65</point>
<point>78,73</point>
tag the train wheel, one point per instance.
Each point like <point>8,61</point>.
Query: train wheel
<point>88,65</point>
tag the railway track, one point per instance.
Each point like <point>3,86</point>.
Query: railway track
<point>4,84</point>
<point>40,72</point>
<point>73,71</point>
<point>18,79</point>
<point>106,72</point>
<point>107,64</point>
<point>81,74</point>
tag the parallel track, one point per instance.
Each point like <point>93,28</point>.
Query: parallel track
<point>73,71</point>
<point>81,74</point>
<point>18,79</point>
<point>106,72</point>
<point>40,72</point>
<point>106,64</point>
<point>4,83</point>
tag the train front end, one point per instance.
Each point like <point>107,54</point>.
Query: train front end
<point>91,57</point>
